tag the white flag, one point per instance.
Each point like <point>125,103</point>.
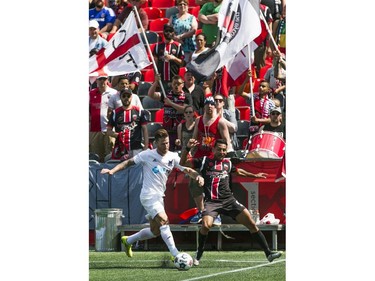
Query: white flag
<point>125,52</point>
<point>239,25</point>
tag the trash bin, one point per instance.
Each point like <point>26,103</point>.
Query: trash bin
<point>107,236</point>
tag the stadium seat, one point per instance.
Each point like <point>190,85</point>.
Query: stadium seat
<point>263,71</point>
<point>243,131</point>
<point>195,11</point>
<point>170,12</point>
<point>148,75</point>
<point>163,5</point>
<point>159,115</point>
<point>244,112</point>
<point>153,13</point>
<point>237,113</point>
<point>158,26</point>
<point>147,114</point>
<point>143,87</point>
<point>240,101</point>
<point>152,37</point>
<point>182,71</point>
<point>256,85</point>
<point>152,127</point>
<point>149,103</point>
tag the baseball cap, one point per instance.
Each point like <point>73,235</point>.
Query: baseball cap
<point>277,109</point>
<point>209,100</point>
<point>93,23</point>
<point>168,27</point>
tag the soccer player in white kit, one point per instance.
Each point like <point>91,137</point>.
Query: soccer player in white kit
<point>157,164</point>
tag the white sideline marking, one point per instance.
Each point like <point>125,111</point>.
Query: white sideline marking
<point>233,261</point>
<point>236,270</point>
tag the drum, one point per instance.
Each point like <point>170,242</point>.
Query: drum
<point>266,145</point>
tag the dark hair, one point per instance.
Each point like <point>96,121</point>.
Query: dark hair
<point>188,106</point>
<point>204,36</point>
<point>221,141</point>
<point>161,133</point>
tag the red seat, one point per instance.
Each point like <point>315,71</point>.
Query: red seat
<point>195,11</point>
<point>153,13</point>
<point>182,71</point>
<point>163,5</point>
<point>256,85</point>
<point>158,26</point>
<point>240,101</point>
<point>159,115</point>
<point>244,112</point>
<point>148,75</point>
<point>263,71</point>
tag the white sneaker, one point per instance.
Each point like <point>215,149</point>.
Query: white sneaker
<point>217,221</point>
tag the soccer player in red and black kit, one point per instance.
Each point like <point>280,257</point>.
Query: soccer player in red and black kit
<point>219,198</point>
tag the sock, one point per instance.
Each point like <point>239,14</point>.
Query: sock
<point>167,236</point>
<point>201,242</point>
<point>143,234</point>
<point>259,237</point>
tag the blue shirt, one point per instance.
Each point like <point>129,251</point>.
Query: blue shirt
<point>104,16</point>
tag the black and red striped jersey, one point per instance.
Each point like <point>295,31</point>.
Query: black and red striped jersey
<point>216,174</point>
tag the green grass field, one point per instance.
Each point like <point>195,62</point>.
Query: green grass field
<point>215,265</point>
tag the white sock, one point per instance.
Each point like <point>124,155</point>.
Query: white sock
<point>143,234</point>
<point>167,236</point>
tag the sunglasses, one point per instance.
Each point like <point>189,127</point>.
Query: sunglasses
<point>188,112</point>
<point>219,100</point>
<point>275,113</point>
<point>126,96</point>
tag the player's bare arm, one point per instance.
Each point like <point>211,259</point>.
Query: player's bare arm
<point>243,173</point>
<point>118,167</point>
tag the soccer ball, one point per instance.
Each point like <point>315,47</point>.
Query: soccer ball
<point>183,261</point>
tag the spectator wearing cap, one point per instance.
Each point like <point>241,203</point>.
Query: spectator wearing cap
<point>276,124</point>
<point>96,42</point>
<point>208,128</point>
<point>175,102</point>
<point>99,142</point>
<point>121,18</point>
<point>104,16</point>
<point>130,128</point>
<point>115,100</point>
<point>169,56</point>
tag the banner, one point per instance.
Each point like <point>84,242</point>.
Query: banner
<point>239,25</point>
<point>125,52</point>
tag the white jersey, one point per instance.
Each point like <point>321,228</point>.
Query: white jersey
<point>156,169</point>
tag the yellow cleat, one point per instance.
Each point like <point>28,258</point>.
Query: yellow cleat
<point>128,247</point>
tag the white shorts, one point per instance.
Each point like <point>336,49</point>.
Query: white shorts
<point>153,205</point>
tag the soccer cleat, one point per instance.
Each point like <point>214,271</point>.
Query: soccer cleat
<point>197,257</point>
<point>217,221</point>
<point>128,247</point>
<point>273,255</point>
<point>197,218</point>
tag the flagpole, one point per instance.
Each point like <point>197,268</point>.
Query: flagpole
<point>251,82</point>
<point>270,34</point>
<point>149,50</point>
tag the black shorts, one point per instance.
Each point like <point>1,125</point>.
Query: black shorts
<point>229,207</point>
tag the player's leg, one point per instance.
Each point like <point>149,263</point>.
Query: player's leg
<point>208,217</point>
<point>245,218</point>
<point>165,232</point>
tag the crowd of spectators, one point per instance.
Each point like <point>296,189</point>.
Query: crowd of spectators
<point>184,101</point>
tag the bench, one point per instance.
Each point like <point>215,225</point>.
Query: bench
<point>195,227</point>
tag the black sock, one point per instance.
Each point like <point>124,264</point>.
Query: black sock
<point>259,237</point>
<point>201,242</point>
